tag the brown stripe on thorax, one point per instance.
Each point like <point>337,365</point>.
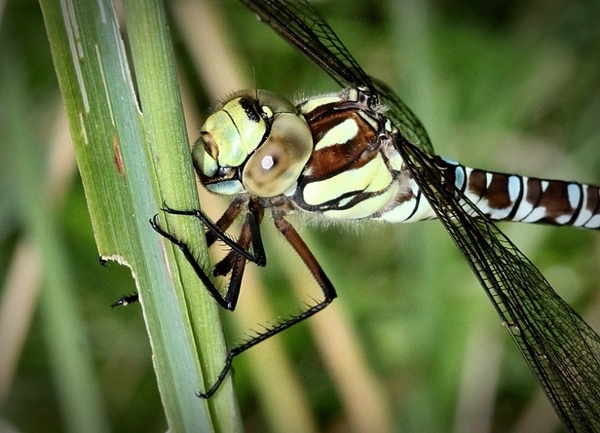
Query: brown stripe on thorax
<point>333,159</point>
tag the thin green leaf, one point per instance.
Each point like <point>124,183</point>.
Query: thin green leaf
<point>131,163</point>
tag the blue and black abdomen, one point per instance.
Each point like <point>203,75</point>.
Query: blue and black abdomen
<point>510,197</point>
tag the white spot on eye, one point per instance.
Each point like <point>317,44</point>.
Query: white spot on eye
<point>267,163</point>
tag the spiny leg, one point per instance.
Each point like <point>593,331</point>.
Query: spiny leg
<point>217,230</point>
<point>123,301</point>
<point>329,294</point>
<point>225,221</point>
<point>235,261</point>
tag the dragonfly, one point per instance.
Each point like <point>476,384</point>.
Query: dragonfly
<point>362,154</point>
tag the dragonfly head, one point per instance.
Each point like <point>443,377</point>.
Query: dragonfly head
<point>256,142</point>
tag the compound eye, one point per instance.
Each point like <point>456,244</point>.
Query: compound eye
<point>278,162</point>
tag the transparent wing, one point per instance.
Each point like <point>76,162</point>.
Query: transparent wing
<point>300,24</point>
<point>404,119</point>
<point>561,349</point>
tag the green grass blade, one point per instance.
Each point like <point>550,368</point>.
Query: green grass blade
<point>131,163</point>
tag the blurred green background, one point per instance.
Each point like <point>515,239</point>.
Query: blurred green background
<point>499,84</point>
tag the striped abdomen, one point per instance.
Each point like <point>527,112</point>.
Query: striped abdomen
<point>510,197</point>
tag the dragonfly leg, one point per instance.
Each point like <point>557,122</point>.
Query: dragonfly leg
<point>235,260</point>
<point>217,230</point>
<point>185,249</point>
<point>329,294</point>
<point>220,226</point>
<point>123,301</point>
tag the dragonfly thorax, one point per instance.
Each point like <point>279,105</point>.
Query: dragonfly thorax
<point>256,142</point>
